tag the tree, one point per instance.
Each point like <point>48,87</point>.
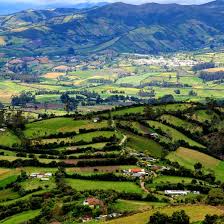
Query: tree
<point>210,219</point>
<point>197,166</point>
<point>158,218</point>
<point>180,217</point>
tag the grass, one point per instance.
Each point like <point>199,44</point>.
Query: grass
<point>146,145</point>
<point>83,185</point>
<point>32,184</point>
<point>173,133</point>
<point>135,206</point>
<point>196,213</point>
<point>21,217</point>
<point>177,122</point>
<point>171,179</point>
<point>134,110</point>
<point>82,137</point>
<point>56,125</point>
<point>203,116</point>
<point>188,157</point>
<point>8,194</point>
<point>8,180</point>
<point>7,138</point>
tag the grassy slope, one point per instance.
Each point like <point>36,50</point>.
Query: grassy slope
<point>21,218</point>
<point>143,144</point>
<point>55,125</point>
<point>82,185</point>
<point>177,122</point>
<point>188,157</point>
<point>196,213</point>
<point>130,206</point>
<point>174,134</point>
<point>85,137</point>
<point>7,138</point>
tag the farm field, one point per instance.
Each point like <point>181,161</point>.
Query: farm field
<point>173,133</point>
<point>20,218</point>
<point>196,213</point>
<point>56,125</point>
<point>130,206</point>
<point>121,161</point>
<point>82,185</point>
<point>179,123</point>
<point>142,144</point>
<point>188,157</point>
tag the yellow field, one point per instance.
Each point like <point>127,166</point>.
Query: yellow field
<point>197,156</point>
<point>196,213</point>
<point>53,75</point>
<point>2,41</point>
<point>214,70</point>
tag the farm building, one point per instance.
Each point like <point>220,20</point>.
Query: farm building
<point>62,68</point>
<point>180,192</point>
<point>136,170</point>
<point>42,176</point>
<point>176,192</point>
<point>93,202</point>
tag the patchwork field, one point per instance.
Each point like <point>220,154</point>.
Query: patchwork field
<point>82,185</point>
<point>196,213</point>
<point>188,157</point>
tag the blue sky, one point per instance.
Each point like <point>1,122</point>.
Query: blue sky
<point>43,2</point>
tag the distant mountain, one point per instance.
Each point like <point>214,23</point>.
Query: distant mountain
<point>147,28</point>
<point>9,8</point>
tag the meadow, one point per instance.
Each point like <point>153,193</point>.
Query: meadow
<point>173,133</point>
<point>21,218</point>
<point>56,125</point>
<point>82,185</point>
<point>188,158</point>
<point>196,213</point>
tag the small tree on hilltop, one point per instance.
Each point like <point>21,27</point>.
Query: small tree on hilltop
<point>159,218</point>
<point>180,217</point>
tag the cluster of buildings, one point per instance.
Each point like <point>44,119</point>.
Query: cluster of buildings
<point>41,176</point>
<point>164,61</point>
<point>136,172</point>
<point>95,203</point>
<point>179,192</point>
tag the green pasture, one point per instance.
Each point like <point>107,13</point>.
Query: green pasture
<point>32,184</point>
<point>143,144</point>
<point>81,137</point>
<point>203,116</point>
<point>21,217</point>
<point>7,138</point>
<point>61,124</point>
<point>188,158</point>
<point>173,133</point>
<point>82,185</point>
<point>177,122</point>
<point>134,206</point>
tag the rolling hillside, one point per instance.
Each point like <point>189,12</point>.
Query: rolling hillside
<point>148,28</point>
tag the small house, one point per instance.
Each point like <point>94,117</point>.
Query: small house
<point>93,202</point>
<point>176,192</point>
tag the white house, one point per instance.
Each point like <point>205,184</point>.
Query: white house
<point>176,192</point>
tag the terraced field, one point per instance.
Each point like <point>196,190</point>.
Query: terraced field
<point>196,213</point>
<point>188,158</point>
<point>56,125</point>
<point>82,185</point>
<point>173,134</point>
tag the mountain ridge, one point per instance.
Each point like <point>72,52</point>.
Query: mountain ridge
<point>148,28</point>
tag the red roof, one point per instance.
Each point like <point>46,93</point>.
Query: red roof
<point>94,201</point>
<point>136,170</point>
